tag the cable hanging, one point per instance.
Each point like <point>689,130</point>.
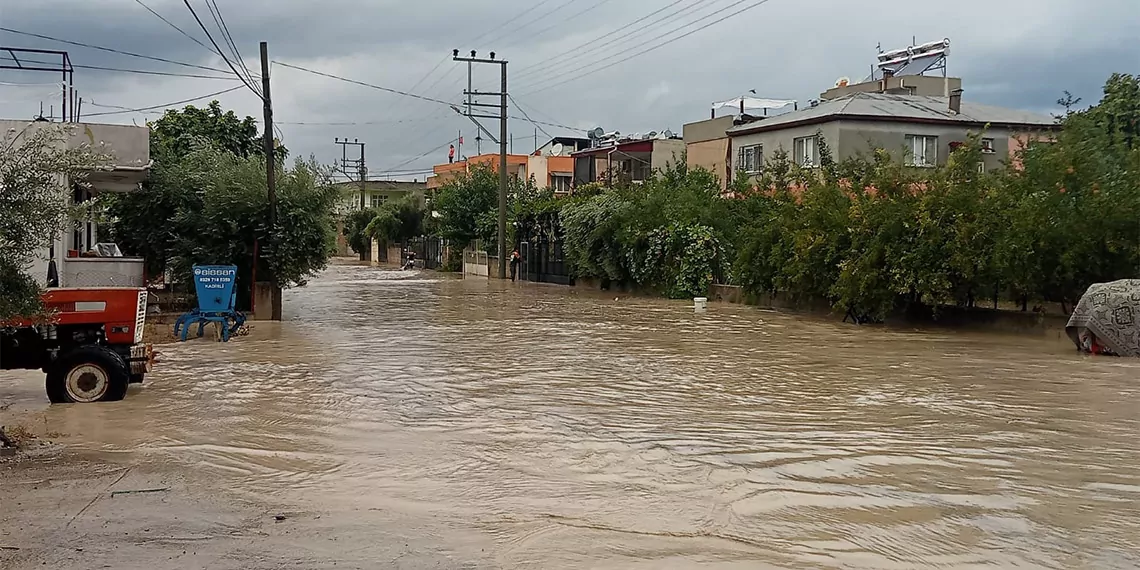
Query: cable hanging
<point>663,44</point>
<point>224,58</point>
<point>162,106</point>
<point>112,50</point>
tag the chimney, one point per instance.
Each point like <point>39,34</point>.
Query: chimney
<point>956,101</point>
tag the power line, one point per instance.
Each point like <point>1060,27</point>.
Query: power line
<point>120,70</point>
<point>346,123</point>
<point>398,107</point>
<point>519,107</point>
<point>399,92</point>
<point>604,51</point>
<point>560,23</point>
<point>224,58</point>
<point>369,85</point>
<point>507,23</point>
<point>220,22</point>
<point>595,43</point>
<point>409,161</point>
<point>162,106</point>
<point>112,50</point>
<point>665,43</point>
<point>180,30</point>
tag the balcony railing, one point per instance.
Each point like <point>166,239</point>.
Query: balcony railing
<point>103,272</point>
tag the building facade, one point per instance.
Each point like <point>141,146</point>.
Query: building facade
<point>918,130</point>
<point>377,192</point>
<point>75,258</point>
<point>707,146</point>
<point>635,160</point>
<point>444,173</point>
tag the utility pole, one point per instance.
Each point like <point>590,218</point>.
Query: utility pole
<point>361,166</point>
<point>502,139</point>
<point>270,178</point>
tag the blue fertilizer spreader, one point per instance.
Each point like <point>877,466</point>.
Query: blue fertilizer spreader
<point>216,300</point>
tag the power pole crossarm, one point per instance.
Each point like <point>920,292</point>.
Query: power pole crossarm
<point>502,139</point>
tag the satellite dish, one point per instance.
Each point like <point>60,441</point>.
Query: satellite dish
<point>597,133</point>
<point>843,81</point>
<point>667,134</point>
<point>556,150</point>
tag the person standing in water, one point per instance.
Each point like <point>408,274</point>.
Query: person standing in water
<point>515,260</point>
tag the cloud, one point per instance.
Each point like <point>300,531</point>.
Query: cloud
<point>1017,53</point>
<point>657,92</point>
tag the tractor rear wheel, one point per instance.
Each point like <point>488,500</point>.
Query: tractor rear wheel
<point>88,374</point>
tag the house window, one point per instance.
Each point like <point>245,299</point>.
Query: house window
<point>378,200</point>
<point>923,150</point>
<point>750,159</point>
<point>806,152</point>
<point>560,182</point>
<point>988,146</point>
<point>982,167</point>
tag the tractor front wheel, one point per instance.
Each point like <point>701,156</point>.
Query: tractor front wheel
<point>88,374</point>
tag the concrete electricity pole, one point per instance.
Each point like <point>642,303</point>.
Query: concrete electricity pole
<point>502,138</point>
<point>270,177</point>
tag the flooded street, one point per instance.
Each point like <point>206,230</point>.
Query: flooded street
<point>527,426</point>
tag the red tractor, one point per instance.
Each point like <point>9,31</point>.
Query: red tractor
<point>90,348</point>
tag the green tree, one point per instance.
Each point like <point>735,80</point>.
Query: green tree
<point>36,168</point>
<point>397,221</point>
<point>206,202</point>
<point>229,214</point>
<point>144,222</point>
<point>355,229</point>
<point>467,206</point>
<point>175,133</point>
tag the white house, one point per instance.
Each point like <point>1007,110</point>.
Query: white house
<point>130,148</point>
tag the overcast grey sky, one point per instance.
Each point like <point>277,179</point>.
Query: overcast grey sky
<point>1016,53</point>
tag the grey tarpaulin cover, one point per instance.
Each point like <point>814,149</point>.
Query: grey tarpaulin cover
<point>1109,311</point>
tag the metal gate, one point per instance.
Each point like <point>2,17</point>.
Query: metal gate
<point>429,250</point>
<point>540,247</point>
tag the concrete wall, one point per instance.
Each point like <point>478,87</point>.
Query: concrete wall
<point>666,152</point>
<point>707,130</point>
<point>773,141</point>
<point>536,167</point>
<point>926,85</point>
<point>712,156</point>
<point>852,139</point>
<point>858,138</point>
<point>706,146</point>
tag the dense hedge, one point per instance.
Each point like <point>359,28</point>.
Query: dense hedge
<point>871,235</point>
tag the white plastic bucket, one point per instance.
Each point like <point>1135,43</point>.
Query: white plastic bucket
<point>700,303</point>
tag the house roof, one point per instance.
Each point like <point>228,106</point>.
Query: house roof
<point>905,108</point>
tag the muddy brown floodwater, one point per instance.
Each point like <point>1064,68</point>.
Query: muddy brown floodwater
<point>528,426</point>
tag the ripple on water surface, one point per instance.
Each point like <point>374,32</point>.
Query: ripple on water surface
<point>579,430</point>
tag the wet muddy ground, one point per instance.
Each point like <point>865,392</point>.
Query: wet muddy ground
<point>406,420</point>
